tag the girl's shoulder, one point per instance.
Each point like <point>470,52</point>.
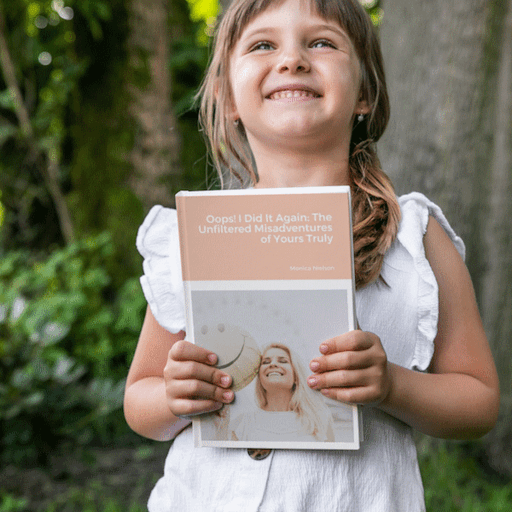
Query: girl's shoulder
<point>416,209</point>
<point>162,283</point>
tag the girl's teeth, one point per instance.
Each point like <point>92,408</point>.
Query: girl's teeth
<point>291,94</point>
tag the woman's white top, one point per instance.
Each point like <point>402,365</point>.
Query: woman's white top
<point>383,475</point>
<point>260,425</point>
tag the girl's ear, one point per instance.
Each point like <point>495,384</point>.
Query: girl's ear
<point>362,106</point>
<point>231,110</point>
<point>233,116</point>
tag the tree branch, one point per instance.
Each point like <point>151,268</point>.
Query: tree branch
<point>50,172</point>
<point>11,82</point>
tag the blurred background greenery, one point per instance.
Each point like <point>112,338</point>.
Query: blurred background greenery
<point>98,123</point>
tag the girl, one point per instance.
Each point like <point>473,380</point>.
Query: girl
<point>288,409</point>
<point>295,96</point>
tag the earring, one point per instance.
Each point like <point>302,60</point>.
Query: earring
<point>360,117</point>
<point>236,122</point>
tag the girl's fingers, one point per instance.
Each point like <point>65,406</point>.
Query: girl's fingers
<point>186,370</point>
<point>354,386</point>
<point>199,390</point>
<point>350,341</point>
<point>189,408</point>
<point>192,397</point>
<point>351,351</point>
<point>186,351</point>
<point>193,385</point>
<point>362,395</point>
<point>347,360</point>
<point>339,379</point>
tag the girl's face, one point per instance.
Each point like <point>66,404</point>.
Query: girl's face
<point>276,370</point>
<point>295,77</point>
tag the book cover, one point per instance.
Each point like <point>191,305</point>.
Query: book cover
<point>268,275</point>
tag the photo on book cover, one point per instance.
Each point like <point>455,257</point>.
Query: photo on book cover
<point>265,339</point>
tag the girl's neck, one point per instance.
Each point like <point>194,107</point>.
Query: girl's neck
<point>301,169</point>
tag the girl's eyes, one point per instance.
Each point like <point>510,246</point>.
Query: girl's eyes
<point>322,43</point>
<point>266,46</point>
<point>262,45</point>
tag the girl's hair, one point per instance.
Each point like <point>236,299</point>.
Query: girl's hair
<point>376,213</point>
<point>312,411</point>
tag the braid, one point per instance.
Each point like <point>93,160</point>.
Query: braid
<point>376,213</point>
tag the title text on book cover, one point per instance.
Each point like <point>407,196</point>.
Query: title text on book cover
<point>280,228</point>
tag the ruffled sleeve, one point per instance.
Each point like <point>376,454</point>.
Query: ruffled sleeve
<point>416,209</point>
<point>162,283</point>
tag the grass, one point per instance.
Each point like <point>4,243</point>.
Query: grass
<point>453,481</point>
<point>89,498</point>
<point>88,480</point>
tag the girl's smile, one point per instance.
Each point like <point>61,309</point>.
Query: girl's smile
<point>293,92</point>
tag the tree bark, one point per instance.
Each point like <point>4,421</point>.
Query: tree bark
<point>449,72</point>
<point>496,296</point>
<point>156,146</point>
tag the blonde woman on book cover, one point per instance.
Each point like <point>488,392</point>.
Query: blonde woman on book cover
<point>295,96</point>
<point>287,408</point>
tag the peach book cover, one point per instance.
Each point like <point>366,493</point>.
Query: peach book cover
<point>268,275</point>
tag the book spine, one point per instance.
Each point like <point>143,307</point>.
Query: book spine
<point>184,247</point>
<point>360,431</point>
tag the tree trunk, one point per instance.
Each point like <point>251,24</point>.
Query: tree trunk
<point>155,155</point>
<point>449,72</point>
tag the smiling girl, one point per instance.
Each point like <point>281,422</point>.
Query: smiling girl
<point>295,96</point>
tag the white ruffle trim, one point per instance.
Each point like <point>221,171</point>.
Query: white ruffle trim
<point>416,209</point>
<point>162,283</point>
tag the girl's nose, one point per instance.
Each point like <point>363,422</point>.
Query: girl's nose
<point>293,61</point>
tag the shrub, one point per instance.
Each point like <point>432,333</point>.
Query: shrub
<point>66,338</point>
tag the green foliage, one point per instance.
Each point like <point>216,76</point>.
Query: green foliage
<point>455,482</point>
<point>204,12</point>
<point>100,138</point>
<point>188,60</point>
<point>69,59</point>
<point>373,7</point>
<point>10,503</point>
<point>90,500</point>
<point>65,344</point>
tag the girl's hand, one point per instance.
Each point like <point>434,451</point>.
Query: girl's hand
<point>353,369</point>
<point>192,384</point>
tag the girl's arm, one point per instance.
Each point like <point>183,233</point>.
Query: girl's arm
<point>170,377</point>
<point>459,397</point>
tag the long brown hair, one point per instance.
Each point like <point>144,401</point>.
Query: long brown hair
<point>376,213</point>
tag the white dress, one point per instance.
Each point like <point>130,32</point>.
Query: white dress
<point>383,476</point>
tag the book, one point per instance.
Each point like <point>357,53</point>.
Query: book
<point>268,275</point>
